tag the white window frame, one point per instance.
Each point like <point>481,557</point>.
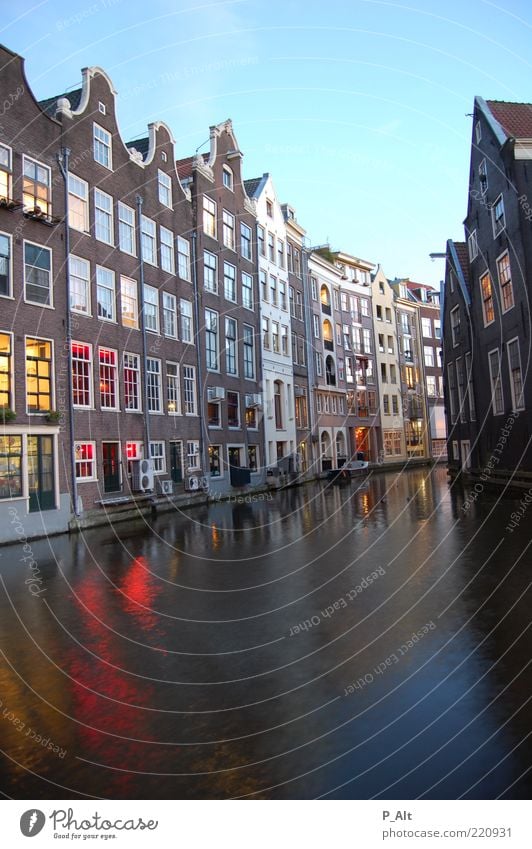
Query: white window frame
<point>228,230</point>
<point>132,366</point>
<point>154,389</point>
<point>190,405</point>
<point>183,258</point>
<point>128,282</point>
<point>50,289</point>
<point>101,286</point>
<point>231,345</point>
<point>94,475</point>
<point>186,321</point>
<point>167,250</point>
<point>90,365</point>
<point>157,453</point>
<point>498,227</point>
<point>81,193</point>
<point>232,279</point>
<point>126,228</point>
<point>472,245</point>
<point>169,305</point>
<point>151,309</point>
<point>209,219</point>
<point>496,383</point>
<point>173,389</point>
<point>85,281</point>
<point>164,188</point>
<point>148,236</point>
<point>113,370</point>
<point>246,236</point>
<point>9,265</point>
<point>103,215</point>
<point>247,291</point>
<point>212,332</point>
<point>210,263</point>
<point>102,140</point>
<point>517,403</point>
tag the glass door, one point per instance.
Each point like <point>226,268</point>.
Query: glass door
<point>41,483</point>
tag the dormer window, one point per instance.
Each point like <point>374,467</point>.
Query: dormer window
<point>101,108</point>
<point>227,177</point>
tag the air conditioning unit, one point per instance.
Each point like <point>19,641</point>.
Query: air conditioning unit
<point>215,393</point>
<point>142,478</point>
<point>193,483</point>
<point>253,401</point>
<point>167,487</point>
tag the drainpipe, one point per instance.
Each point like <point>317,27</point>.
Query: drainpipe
<point>139,202</point>
<point>63,160</point>
<point>199,384</point>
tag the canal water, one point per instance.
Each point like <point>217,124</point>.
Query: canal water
<point>363,641</point>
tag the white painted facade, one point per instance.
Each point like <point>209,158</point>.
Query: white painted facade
<point>276,346</point>
<point>388,369</point>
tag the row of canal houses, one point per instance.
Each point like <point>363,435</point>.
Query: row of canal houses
<point>486,305</point>
<point>168,332</point>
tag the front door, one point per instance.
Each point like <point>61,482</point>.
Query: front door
<point>41,484</point>
<point>176,461</point>
<point>111,466</point>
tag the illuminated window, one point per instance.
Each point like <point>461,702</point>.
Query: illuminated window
<point>85,454</point>
<point>36,187</point>
<point>39,373</point>
<point>82,374</point>
<point>108,379</point>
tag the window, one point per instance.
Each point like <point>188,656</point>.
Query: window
<point>37,274</point>
<point>215,462</point>
<point>85,454</point>
<point>386,404</point>
<point>79,285</point>
<point>183,258</point>
<point>428,352</point>
<point>497,216</point>
<point>193,458</point>
<point>134,451</point>
<point>36,186</point>
<point>247,290</point>
<point>393,373</point>
<point>483,177</point>
<point>229,282</point>
<point>211,340</point>
<point>278,404</point>
<point>470,395</point>
<point>158,457</point>
<point>364,307</point>
<point>230,346</point>
<point>291,301</point>
<point>388,313</point>
<point>164,185</point>
<point>227,177</point>
<point>169,315</point>
<point>10,466</point>
<point>297,262</point>
<point>431,386</point>
<point>336,299</point>
<point>228,229</point>
<point>273,290</point>
<point>497,400</point>
<point>269,209</point>
<point>316,325</point>
<point>82,374</point>
<point>5,265</point>
<point>472,246</point>
<point>151,309</point>
<point>129,302</point>
<point>5,370</point>
<point>209,217</point>
<point>437,329</point>
<point>249,352</point>
<point>253,457</point>
<point>266,334</point>
<point>275,337</point>
<point>108,379</point>
<point>390,345</point>
<point>271,247</point>
<point>213,414</point>
<point>105,293</point>
<point>461,388</point>
<point>505,282</point>
<point>233,409</point>
<point>314,288</point>
<point>284,340</point>
<point>395,405</point>
<point>426,328</point>
<point>126,229</point>
<point>280,253</point>
<point>103,217</point>
<point>516,376</point>
<point>381,343</point>
<point>478,131</point>
<point>260,240</point>
<point>154,387</point>
<point>102,146</point>
<point>301,407</point>
<point>319,364</point>
<point>148,240</point>
<point>245,240</point>
<point>167,250</point>
<point>210,281</point>
<point>39,372</point>
<point>78,204</point>
<point>173,394</point>
<point>5,172</point>
<point>101,108</point>
<point>366,339</point>
<point>384,377</point>
<point>487,298</point>
<point>185,310</point>
<point>282,294</point>
<point>263,284</point>
<point>132,394</point>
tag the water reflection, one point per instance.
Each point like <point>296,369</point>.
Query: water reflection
<point>208,653</point>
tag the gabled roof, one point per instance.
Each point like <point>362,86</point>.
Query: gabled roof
<point>142,145</point>
<point>49,105</point>
<point>514,118</point>
<point>184,166</point>
<point>252,185</point>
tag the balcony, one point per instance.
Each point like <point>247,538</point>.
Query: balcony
<point>328,344</point>
<point>325,308</point>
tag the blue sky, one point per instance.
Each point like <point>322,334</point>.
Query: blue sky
<point>358,109</point>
